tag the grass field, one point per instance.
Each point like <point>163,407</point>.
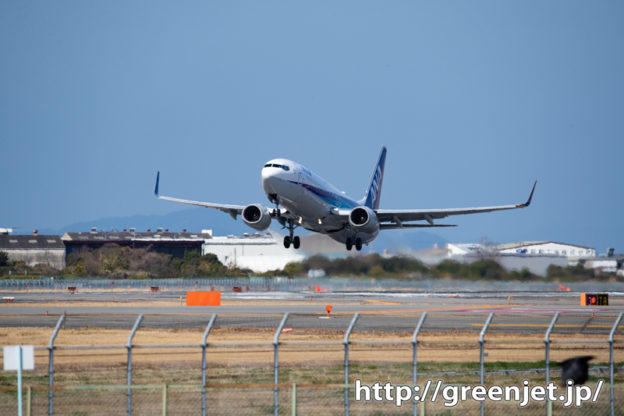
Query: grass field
<point>244,356</point>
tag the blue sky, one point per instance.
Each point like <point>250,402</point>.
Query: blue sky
<point>474,101</point>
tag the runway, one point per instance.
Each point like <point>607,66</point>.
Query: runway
<point>527,312</point>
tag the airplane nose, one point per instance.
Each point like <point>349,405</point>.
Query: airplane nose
<point>269,177</point>
<point>266,173</point>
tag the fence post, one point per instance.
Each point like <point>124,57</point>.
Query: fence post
<point>547,356</point>
<point>294,399</point>
<point>51,364</point>
<point>414,356</point>
<point>611,380</point>
<point>164,399</point>
<point>482,356</point>
<point>204,345</point>
<point>346,361</point>
<point>129,348</point>
<point>276,364</point>
<point>28,401</point>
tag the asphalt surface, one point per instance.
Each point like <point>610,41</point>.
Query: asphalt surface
<point>527,312</point>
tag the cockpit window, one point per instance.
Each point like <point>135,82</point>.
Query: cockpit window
<point>275,165</point>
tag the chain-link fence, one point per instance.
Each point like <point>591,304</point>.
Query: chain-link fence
<point>259,399</point>
<point>243,359</point>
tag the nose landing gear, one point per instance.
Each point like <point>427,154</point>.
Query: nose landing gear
<point>291,238</point>
<point>295,241</point>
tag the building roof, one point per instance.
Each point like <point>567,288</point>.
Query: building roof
<point>128,236</point>
<point>507,246</point>
<point>467,246</point>
<point>26,242</point>
<point>245,239</point>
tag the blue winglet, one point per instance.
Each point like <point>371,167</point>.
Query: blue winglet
<point>157,180</point>
<point>528,202</point>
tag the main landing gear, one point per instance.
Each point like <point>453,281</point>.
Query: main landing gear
<point>291,238</point>
<point>357,242</point>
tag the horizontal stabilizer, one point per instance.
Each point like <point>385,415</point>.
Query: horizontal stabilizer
<point>392,226</point>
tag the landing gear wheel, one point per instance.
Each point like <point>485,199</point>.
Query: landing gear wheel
<point>349,244</point>
<point>358,244</point>
<point>287,242</point>
<point>296,242</point>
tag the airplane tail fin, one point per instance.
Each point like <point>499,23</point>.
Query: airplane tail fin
<point>373,193</point>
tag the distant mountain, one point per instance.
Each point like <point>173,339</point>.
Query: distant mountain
<point>197,219</point>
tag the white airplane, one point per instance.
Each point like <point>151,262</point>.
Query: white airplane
<point>303,199</point>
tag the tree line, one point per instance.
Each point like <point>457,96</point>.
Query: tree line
<point>113,261</point>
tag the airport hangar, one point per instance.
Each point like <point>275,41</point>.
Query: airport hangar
<point>262,252</point>
<point>34,249</point>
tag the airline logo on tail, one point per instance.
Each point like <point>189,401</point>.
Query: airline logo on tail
<point>374,189</point>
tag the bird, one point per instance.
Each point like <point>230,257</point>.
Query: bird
<point>575,369</point>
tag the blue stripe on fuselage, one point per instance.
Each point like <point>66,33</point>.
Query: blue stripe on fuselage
<point>329,197</point>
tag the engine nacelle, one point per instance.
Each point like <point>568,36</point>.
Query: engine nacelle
<point>257,217</point>
<point>364,219</point>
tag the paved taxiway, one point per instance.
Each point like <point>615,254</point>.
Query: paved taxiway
<point>525,311</point>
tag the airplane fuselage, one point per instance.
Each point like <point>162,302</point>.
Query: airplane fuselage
<point>311,198</point>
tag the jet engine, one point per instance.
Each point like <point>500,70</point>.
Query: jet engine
<point>364,220</point>
<point>257,217</point>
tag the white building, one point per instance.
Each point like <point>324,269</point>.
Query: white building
<point>464,249</point>
<point>34,249</point>
<point>546,248</point>
<point>602,264</point>
<point>257,252</point>
<point>536,256</point>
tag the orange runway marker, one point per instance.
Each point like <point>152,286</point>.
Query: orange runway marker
<point>211,298</point>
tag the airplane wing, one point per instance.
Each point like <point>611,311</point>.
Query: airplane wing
<point>233,210</point>
<point>396,218</point>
